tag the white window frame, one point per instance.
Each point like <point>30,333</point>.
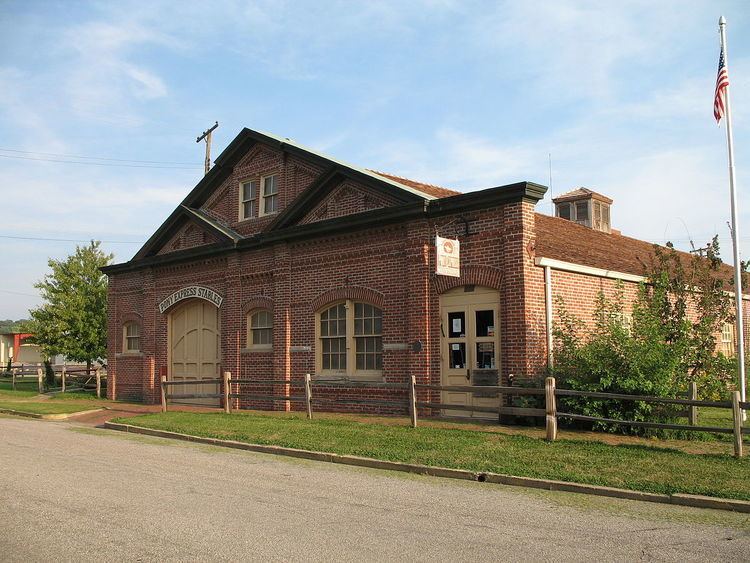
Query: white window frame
<point>126,349</point>
<point>728,340</point>
<point>351,345</point>
<point>251,345</point>
<point>254,199</point>
<point>266,197</point>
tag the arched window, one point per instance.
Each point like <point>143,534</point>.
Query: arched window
<point>260,330</point>
<point>350,338</point>
<point>131,337</point>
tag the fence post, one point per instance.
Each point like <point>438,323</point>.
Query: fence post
<point>39,380</point>
<point>413,401</point>
<point>693,410</point>
<point>227,378</point>
<point>13,376</point>
<point>98,383</point>
<point>63,379</point>
<point>737,418</point>
<point>308,395</point>
<point>163,393</point>
<point>551,419</point>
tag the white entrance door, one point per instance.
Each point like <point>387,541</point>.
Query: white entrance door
<point>195,349</point>
<point>470,348</point>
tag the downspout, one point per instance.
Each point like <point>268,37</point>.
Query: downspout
<point>548,314</point>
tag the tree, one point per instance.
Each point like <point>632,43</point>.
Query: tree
<point>73,318</point>
<point>670,341</point>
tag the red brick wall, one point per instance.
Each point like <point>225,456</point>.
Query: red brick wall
<point>293,176</point>
<point>393,265</point>
<point>189,236</point>
<point>347,199</point>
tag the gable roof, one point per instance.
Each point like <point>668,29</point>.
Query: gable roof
<point>581,193</point>
<point>179,217</point>
<point>567,241</point>
<point>403,190</point>
<point>435,191</point>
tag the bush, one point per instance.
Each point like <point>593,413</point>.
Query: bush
<point>670,343</point>
<point>614,359</point>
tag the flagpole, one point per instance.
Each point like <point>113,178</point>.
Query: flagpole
<point>735,234</point>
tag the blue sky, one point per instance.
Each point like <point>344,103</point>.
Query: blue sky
<point>462,94</point>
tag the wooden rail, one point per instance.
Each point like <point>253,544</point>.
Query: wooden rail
<point>88,374</point>
<point>412,403</point>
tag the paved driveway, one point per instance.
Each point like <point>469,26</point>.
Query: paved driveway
<point>70,492</point>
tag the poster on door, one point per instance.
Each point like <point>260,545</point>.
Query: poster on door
<point>448,257</point>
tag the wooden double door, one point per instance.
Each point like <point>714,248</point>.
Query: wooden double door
<point>195,349</point>
<point>470,348</point>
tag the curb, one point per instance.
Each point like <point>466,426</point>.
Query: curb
<point>60,416</point>
<point>694,501</point>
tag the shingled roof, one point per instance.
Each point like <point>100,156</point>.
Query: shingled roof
<point>430,189</point>
<point>567,241</point>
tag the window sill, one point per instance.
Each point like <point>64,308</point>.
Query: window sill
<point>256,350</point>
<point>129,355</point>
<point>342,378</point>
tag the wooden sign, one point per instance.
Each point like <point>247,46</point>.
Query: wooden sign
<point>448,257</point>
<point>189,293</point>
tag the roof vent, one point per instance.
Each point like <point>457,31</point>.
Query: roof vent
<point>586,208</point>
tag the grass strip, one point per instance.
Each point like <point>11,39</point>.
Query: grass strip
<point>24,388</point>
<point>46,407</point>
<point>636,467</point>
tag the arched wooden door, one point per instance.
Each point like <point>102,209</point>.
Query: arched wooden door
<point>195,350</point>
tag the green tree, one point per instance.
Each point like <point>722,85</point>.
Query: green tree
<point>670,341</point>
<point>73,318</point>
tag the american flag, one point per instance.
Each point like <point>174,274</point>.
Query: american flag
<point>722,82</point>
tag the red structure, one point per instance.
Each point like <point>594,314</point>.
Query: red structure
<point>282,262</point>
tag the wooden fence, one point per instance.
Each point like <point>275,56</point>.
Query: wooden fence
<point>81,378</point>
<point>305,394</point>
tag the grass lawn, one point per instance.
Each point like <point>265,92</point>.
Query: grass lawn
<point>638,467</point>
<point>77,396</point>
<point>709,416</point>
<point>23,399</point>
<point>45,407</point>
<point>24,388</point>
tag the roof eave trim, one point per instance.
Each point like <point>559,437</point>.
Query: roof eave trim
<point>588,270</point>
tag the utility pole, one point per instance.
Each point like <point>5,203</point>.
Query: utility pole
<point>207,135</point>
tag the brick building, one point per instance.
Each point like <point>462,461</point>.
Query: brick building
<point>282,261</point>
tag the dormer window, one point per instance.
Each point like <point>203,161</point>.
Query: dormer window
<point>584,207</point>
<point>582,213</point>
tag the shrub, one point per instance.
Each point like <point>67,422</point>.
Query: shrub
<point>669,344</point>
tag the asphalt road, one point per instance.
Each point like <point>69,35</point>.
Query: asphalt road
<point>73,493</point>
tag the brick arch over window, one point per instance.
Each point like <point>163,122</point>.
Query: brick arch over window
<point>470,275</point>
<point>259,302</point>
<point>355,293</point>
<point>131,318</point>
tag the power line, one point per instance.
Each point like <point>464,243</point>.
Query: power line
<point>70,240</point>
<point>100,163</point>
<point>17,293</point>
<point>97,157</point>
